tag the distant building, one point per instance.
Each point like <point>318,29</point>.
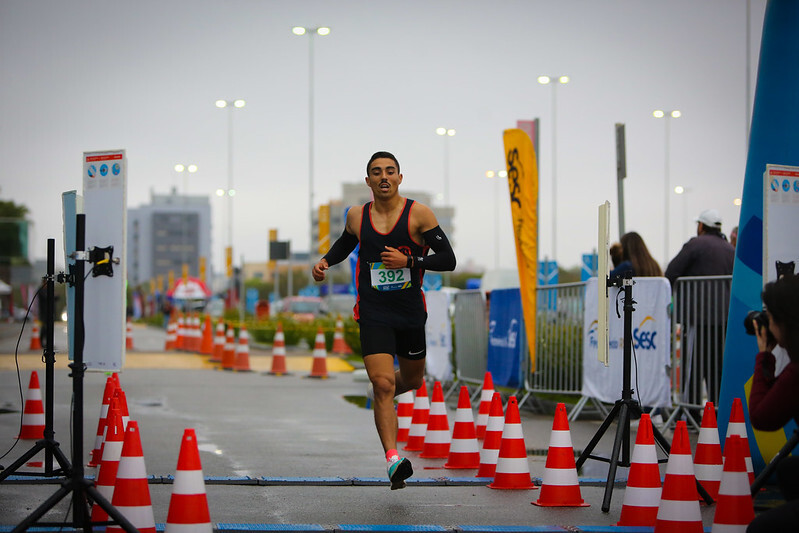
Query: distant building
<point>163,235</point>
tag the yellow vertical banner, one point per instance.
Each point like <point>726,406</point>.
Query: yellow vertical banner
<point>324,228</point>
<point>229,261</point>
<point>171,278</point>
<point>159,280</point>
<point>272,264</point>
<point>523,189</point>
<point>185,272</point>
<point>202,269</point>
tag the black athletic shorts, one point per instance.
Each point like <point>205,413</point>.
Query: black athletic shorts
<point>406,343</point>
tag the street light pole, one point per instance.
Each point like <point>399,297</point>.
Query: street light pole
<point>667,116</point>
<point>446,132</point>
<point>231,192</point>
<point>185,170</point>
<point>500,174</point>
<point>310,32</point>
<point>554,81</point>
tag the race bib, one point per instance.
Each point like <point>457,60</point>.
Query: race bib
<point>389,279</point>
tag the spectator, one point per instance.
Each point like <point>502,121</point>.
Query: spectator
<point>635,258</point>
<point>616,253</point>
<point>773,401</point>
<point>734,236</point>
<point>707,254</point>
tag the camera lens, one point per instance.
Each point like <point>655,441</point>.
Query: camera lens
<point>752,317</point>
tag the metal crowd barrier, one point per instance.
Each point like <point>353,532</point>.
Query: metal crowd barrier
<point>699,323</point>
<point>699,326</point>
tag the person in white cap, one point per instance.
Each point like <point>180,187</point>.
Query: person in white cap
<point>707,254</point>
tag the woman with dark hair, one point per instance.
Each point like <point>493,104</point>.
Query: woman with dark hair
<point>773,399</point>
<point>636,258</point>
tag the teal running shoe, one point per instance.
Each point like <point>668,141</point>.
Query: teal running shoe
<point>398,472</point>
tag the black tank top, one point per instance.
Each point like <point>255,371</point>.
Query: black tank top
<point>388,297</point>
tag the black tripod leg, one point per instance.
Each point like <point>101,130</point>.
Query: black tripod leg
<point>24,458</point>
<point>598,435</point>
<point>623,422</point>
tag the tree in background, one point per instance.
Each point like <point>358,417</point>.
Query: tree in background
<point>13,233</point>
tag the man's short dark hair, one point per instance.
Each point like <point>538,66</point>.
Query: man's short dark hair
<point>382,155</point>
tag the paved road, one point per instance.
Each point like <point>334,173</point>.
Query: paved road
<point>283,451</point>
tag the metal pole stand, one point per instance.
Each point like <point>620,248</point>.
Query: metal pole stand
<point>625,409</point>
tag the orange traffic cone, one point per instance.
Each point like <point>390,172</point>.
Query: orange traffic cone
<point>190,334</point>
<point>36,339</point>
<point>734,510</point>
<point>33,411</point>
<point>513,470</point>
<point>679,500</point>
<point>108,393</point>
<point>229,355</point>
<point>404,415</point>
<point>421,413</point>
<point>188,505</point>
<point>112,451</point>
<point>131,491</point>
<point>463,450</point>
<point>129,335</point>
<point>279,352</point>
<point>171,336</point>
<point>197,335</point>
<point>340,346</point>
<point>219,343</point>
<point>242,363</point>
<point>319,367</point>
<point>707,458</point>
<point>642,495</point>
<point>737,426</point>
<point>492,440</point>
<point>486,394</point>
<point>207,344</point>
<point>560,486</point>
<point>437,437</point>
<point>180,340</point>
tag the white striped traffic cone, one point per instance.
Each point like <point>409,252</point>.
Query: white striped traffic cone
<point>33,411</point>
<point>112,452</point>
<point>734,508</point>
<point>678,511</point>
<point>421,413</point>
<point>707,458</point>
<point>489,453</point>
<point>404,415</point>
<point>108,393</point>
<point>560,486</point>
<point>188,505</point>
<point>219,343</point>
<point>513,468</point>
<point>486,394</point>
<point>737,426</point>
<point>642,495</point>
<point>131,491</point>
<point>437,438</point>
<point>463,451</point>
<point>319,365</point>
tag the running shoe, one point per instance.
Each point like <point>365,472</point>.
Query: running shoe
<point>398,472</point>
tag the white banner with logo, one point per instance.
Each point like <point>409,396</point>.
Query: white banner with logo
<point>438,331</point>
<point>649,377</point>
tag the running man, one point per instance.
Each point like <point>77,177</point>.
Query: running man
<point>395,234</point>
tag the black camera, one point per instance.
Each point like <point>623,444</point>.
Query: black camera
<point>759,318</point>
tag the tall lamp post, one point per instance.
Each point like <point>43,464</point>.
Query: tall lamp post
<point>554,81</point>
<point>681,191</point>
<point>502,174</point>
<point>446,133</point>
<point>667,116</point>
<point>230,105</point>
<point>185,170</point>
<point>310,32</point>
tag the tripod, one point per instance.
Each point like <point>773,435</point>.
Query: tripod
<point>625,408</point>
<point>785,451</point>
<point>83,490</point>
<point>48,443</point>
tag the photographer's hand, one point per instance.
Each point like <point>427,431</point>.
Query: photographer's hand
<point>764,342</point>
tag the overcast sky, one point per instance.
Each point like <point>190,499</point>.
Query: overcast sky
<point>143,76</point>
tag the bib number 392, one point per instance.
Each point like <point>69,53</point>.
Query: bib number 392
<point>389,279</point>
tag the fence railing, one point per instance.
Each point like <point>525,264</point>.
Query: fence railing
<point>698,325</point>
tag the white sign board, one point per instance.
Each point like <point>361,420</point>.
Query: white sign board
<point>438,331</point>
<point>651,344</point>
<point>105,206</point>
<point>780,213</point>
